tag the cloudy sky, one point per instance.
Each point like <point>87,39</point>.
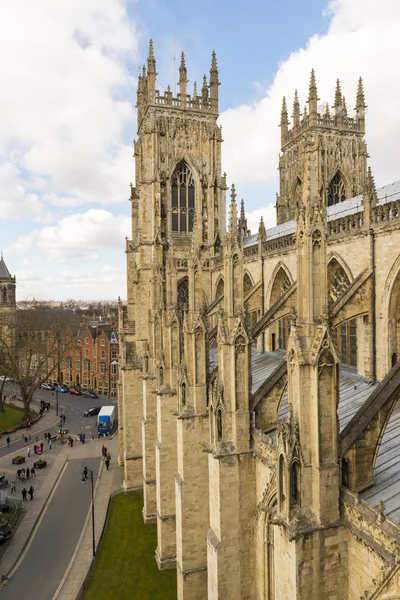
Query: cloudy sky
<point>67,117</point>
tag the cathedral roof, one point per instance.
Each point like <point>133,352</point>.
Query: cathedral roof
<point>4,272</point>
<point>386,193</point>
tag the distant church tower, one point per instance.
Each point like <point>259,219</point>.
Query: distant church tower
<point>7,288</point>
<point>341,167</point>
<point>7,305</point>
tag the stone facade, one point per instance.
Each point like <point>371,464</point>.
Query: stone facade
<point>235,349</point>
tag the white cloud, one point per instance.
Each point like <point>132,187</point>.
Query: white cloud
<point>363,39</point>
<point>63,89</point>
<point>76,236</point>
<point>268,213</point>
<point>16,202</point>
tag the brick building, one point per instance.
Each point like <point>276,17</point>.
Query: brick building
<point>93,362</point>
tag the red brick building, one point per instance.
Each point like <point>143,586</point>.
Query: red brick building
<point>93,362</point>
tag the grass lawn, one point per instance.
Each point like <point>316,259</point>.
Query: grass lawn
<point>10,418</point>
<point>125,568</point>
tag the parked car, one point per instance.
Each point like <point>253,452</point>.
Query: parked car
<point>47,386</point>
<point>89,394</point>
<point>92,412</point>
<point>62,389</point>
<point>75,392</point>
<point>6,379</point>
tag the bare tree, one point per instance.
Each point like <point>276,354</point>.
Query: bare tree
<point>33,342</point>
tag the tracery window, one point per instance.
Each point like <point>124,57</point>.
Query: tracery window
<point>336,190</point>
<point>183,297</point>
<point>338,281</point>
<point>182,199</point>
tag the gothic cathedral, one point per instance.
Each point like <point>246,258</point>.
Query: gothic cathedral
<point>260,373</point>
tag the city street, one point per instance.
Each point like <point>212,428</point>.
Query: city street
<point>41,569</point>
<point>71,406</point>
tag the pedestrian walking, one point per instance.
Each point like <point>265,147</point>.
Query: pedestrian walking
<point>22,474</point>
<point>45,437</point>
<point>41,447</point>
<point>107,462</point>
<point>33,472</point>
<point>26,440</point>
<point>28,452</point>
<point>30,492</point>
<point>28,473</point>
<point>8,441</point>
<point>48,437</point>
<point>24,492</point>
<point>85,472</point>
<point>108,457</point>
<point>13,487</point>
<point>50,445</point>
<point>19,475</point>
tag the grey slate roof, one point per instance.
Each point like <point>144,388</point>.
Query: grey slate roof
<point>4,272</point>
<point>353,392</point>
<point>387,193</point>
<point>387,470</point>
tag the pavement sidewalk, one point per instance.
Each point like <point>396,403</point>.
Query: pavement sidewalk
<point>43,483</point>
<point>107,483</point>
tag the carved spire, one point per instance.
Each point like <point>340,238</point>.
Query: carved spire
<point>151,67</point>
<point>313,98</point>
<point>204,93</point>
<point>296,110</point>
<point>370,187</point>
<point>344,107</point>
<point>214,82</point>
<point>233,218</point>
<point>360,106</point>
<point>195,96</point>
<point>305,112</point>
<point>262,233</point>
<point>182,70</point>
<point>360,103</point>
<point>338,98</point>
<point>284,124</point>
<point>242,220</point>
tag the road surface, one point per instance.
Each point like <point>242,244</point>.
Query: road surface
<point>42,568</point>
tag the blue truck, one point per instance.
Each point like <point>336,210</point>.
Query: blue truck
<point>105,420</point>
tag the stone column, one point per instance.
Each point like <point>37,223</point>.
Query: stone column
<point>166,467</point>
<point>133,402</point>
<point>149,435</point>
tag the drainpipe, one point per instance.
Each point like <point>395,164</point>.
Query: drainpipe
<point>373,304</point>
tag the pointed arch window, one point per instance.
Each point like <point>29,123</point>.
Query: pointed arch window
<point>182,199</point>
<point>336,190</point>
<point>220,288</point>
<point>247,284</point>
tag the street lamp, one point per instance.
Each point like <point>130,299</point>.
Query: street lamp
<point>56,402</point>
<point>93,532</point>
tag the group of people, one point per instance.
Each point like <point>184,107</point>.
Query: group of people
<point>23,474</point>
<point>24,493</point>
<point>106,457</point>
<point>44,406</point>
